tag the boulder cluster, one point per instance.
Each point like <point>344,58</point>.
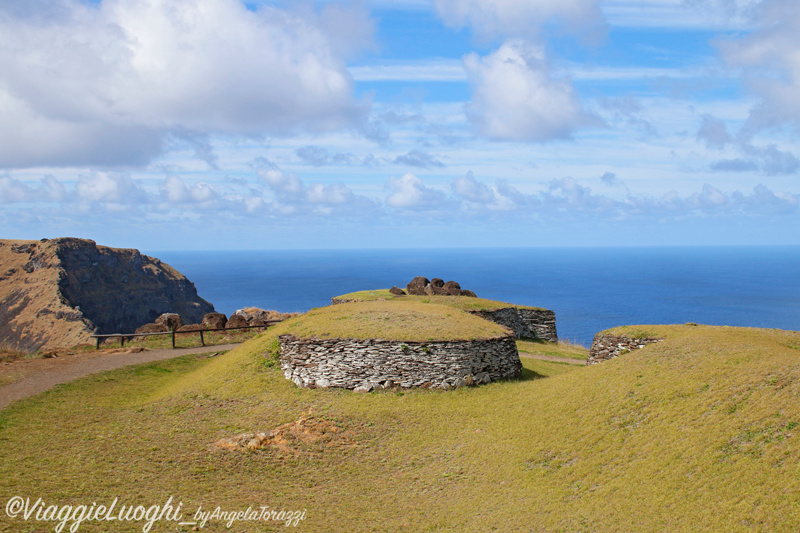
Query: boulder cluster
<point>421,286</point>
<point>249,316</point>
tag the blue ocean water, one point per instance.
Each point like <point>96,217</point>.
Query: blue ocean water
<point>590,289</point>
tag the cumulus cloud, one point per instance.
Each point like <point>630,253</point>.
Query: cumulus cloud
<point>476,195</point>
<point>293,196</point>
<point>107,83</point>
<point>515,96</point>
<point>175,190</point>
<point>107,188</point>
<point>519,18</point>
<point>49,189</point>
<point>410,193</point>
<point>770,56</point>
<point>568,196</point>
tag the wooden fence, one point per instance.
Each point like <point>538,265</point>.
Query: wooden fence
<point>123,336</point>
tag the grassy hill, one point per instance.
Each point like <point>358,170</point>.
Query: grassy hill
<point>696,433</point>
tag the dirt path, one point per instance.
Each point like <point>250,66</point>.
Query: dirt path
<point>553,358</point>
<point>38,375</point>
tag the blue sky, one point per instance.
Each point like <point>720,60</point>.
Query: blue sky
<point>222,124</point>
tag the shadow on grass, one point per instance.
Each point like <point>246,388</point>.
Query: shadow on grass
<point>528,375</point>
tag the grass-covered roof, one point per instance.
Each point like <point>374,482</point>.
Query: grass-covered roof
<point>466,303</point>
<point>403,320</point>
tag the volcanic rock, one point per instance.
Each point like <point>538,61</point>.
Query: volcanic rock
<point>214,320</point>
<point>417,286</point>
<point>236,321</point>
<point>56,293</point>
<point>171,321</point>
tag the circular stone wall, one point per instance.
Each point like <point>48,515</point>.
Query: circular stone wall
<point>367,364</point>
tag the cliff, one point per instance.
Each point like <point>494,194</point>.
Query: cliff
<point>58,292</point>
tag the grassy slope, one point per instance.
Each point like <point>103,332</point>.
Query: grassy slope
<point>459,302</point>
<point>556,349</point>
<point>697,433</point>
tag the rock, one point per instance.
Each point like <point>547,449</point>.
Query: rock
<point>323,383</point>
<point>365,386</point>
<point>152,328</point>
<point>420,286</point>
<point>397,291</point>
<point>417,286</point>
<point>171,321</point>
<point>236,321</point>
<point>244,313</point>
<point>255,316</point>
<point>214,320</point>
<point>191,327</point>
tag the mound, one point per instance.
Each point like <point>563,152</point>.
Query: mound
<point>369,345</point>
<point>525,321</point>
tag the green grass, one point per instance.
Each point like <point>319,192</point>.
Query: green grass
<point>556,349</point>
<point>404,320</point>
<point>189,339</point>
<point>696,433</point>
<point>464,303</point>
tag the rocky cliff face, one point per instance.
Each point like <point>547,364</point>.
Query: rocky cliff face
<point>58,292</point>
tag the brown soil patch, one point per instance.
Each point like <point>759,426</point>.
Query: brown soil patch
<point>306,435</point>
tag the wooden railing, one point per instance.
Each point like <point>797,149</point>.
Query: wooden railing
<point>123,336</point>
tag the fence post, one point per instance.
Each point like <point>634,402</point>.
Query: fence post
<point>173,339</point>
<point>202,342</point>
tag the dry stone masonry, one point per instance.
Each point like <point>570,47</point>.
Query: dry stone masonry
<point>525,323</point>
<point>366,364</point>
<point>605,347</point>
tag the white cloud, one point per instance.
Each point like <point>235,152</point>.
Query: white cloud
<point>175,190</point>
<point>770,56</point>
<point>105,84</point>
<point>409,192</point>
<point>15,191</point>
<point>516,98</point>
<point>293,196</point>
<point>568,196</point>
<point>106,188</point>
<point>518,18</point>
<point>476,195</point>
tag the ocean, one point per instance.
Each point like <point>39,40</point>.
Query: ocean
<point>590,289</point>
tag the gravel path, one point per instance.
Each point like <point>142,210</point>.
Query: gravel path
<point>40,375</point>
